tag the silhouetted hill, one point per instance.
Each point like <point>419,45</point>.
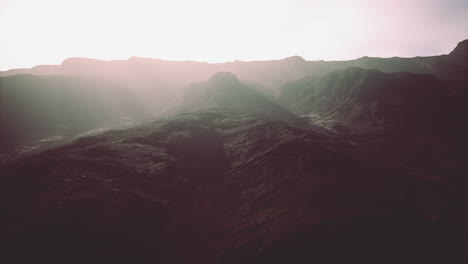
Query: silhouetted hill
<point>33,108</point>
<point>461,50</point>
<point>224,90</point>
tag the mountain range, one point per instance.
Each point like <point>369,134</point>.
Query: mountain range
<point>287,161</point>
<point>158,82</point>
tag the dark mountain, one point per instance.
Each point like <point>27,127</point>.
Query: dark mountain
<point>33,108</point>
<point>461,51</point>
<point>225,90</point>
<point>452,66</point>
<point>220,187</point>
<point>357,98</point>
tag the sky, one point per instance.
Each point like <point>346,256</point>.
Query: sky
<point>34,32</point>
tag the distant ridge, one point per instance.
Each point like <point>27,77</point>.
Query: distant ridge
<point>460,50</point>
<point>158,82</point>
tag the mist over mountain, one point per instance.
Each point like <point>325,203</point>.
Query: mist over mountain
<point>157,82</point>
<point>224,90</point>
<point>287,161</point>
<point>37,108</point>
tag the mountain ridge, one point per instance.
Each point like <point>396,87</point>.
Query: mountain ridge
<point>158,82</point>
<point>356,96</point>
<point>226,91</point>
<point>460,45</point>
<point>290,161</point>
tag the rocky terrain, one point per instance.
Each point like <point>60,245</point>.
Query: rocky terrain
<point>222,187</point>
<point>356,98</point>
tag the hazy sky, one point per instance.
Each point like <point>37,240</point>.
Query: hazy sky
<point>48,31</point>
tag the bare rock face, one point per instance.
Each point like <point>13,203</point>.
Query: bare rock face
<point>358,98</point>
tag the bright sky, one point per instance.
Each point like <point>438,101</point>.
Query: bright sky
<point>37,32</point>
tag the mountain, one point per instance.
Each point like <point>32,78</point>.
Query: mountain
<point>35,108</point>
<point>358,98</point>
<point>461,51</point>
<point>227,174</point>
<point>37,70</point>
<point>158,82</point>
<point>221,187</point>
<point>417,121</point>
<point>225,90</point>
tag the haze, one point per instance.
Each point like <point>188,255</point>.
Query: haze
<point>49,31</point>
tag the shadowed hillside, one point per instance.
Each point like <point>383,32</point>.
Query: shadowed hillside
<point>220,187</point>
<point>38,107</point>
<point>356,98</point>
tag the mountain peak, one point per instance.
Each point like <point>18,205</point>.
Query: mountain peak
<point>224,77</point>
<point>79,60</point>
<point>461,49</point>
<point>298,59</point>
<point>224,90</point>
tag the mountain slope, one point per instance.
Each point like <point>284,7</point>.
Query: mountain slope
<point>359,98</point>
<point>234,179</point>
<point>37,107</point>
<point>221,187</point>
<point>225,91</point>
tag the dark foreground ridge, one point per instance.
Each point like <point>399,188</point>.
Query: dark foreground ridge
<point>223,187</point>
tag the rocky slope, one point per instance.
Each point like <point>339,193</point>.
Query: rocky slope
<point>356,98</point>
<point>223,187</point>
<point>224,90</point>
